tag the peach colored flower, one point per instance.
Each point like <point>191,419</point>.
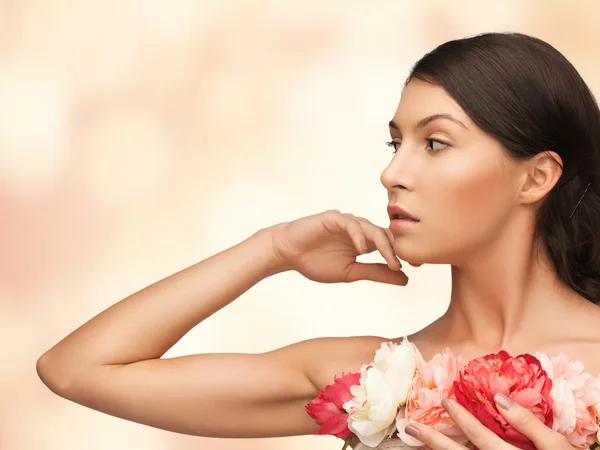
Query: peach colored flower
<point>433,382</point>
<point>576,394</point>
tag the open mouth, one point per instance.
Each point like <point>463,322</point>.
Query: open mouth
<point>400,217</point>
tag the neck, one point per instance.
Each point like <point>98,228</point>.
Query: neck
<point>507,293</point>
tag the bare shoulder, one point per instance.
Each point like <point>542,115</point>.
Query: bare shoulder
<point>321,358</point>
<point>585,345</point>
<point>579,337</point>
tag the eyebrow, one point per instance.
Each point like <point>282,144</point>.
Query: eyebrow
<point>421,123</point>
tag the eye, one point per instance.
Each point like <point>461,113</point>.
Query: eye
<point>393,144</point>
<point>432,145</point>
<point>433,148</point>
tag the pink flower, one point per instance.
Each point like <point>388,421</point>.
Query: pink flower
<point>575,396</point>
<point>327,408</point>
<point>521,378</point>
<point>433,383</point>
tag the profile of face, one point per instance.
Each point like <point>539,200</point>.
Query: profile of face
<point>451,175</point>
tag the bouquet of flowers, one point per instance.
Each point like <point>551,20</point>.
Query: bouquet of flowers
<point>399,387</point>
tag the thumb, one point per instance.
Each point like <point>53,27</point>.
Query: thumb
<point>378,272</point>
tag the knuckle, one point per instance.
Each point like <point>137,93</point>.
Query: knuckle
<point>556,440</point>
<point>382,239</point>
<point>354,218</point>
<point>332,216</point>
<point>369,223</point>
<point>525,417</point>
<point>474,432</point>
<point>384,236</point>
<point>362,219</point>
<point>351,220</point>
<point>353,224</point>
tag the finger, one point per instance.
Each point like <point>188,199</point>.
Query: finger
<point>473,429</point>
<point>378,272</point>
<point>356,233</point>
<point>370,234</point>
<point>431,438</point>
<point>378,236</point>
<point>524,421</point>
<point>390,236</point>
<point>362,219</point>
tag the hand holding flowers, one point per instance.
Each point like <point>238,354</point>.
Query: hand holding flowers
<point>555,404</point>
<point>520,419</point>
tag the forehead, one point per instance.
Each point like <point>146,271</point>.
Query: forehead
<point>421,99</point>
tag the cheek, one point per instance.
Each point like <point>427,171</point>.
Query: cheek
<point>463,210</point>
<point>471,197</point>
<point>469,208</point>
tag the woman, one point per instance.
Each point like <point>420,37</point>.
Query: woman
<point>496,144</point>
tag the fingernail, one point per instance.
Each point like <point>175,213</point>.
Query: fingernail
<point>364,248</point>
<point>411,431</point>
<point>446,404</point>
<point>503,401</point>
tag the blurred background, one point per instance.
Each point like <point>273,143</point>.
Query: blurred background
<point>139,137</point>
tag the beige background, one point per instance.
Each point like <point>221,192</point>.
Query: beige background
<point>140,136</point>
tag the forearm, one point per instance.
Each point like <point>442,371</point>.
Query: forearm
<point>149,322</point>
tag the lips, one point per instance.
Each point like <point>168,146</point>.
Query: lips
<point>395,212</point>
<point>396,217</point>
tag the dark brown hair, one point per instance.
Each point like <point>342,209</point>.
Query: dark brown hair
<point>527,95</point>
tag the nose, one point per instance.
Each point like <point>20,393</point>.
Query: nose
<point>398,172</point>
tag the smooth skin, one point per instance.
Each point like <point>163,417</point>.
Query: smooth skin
<point>113,362</point>
<point>476,209</point>
<point>520,418</point>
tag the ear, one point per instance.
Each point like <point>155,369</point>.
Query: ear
<point>541,173</point>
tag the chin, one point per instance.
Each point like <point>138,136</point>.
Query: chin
<point>420,257</point>
<point>407,251</point>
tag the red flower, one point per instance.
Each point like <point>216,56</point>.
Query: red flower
<point>327,409</point>
<point>521,378</point>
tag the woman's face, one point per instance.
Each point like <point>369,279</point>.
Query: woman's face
<point>448,173</point>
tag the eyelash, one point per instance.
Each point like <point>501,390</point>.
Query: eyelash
<point>430,141</point>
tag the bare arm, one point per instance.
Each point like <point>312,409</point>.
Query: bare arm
<point>146,324</point>
<point>112,363</point>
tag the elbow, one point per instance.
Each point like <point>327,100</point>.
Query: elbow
<point>53,374</point>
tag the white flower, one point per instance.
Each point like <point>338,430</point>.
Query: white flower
<point>384,386</point>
